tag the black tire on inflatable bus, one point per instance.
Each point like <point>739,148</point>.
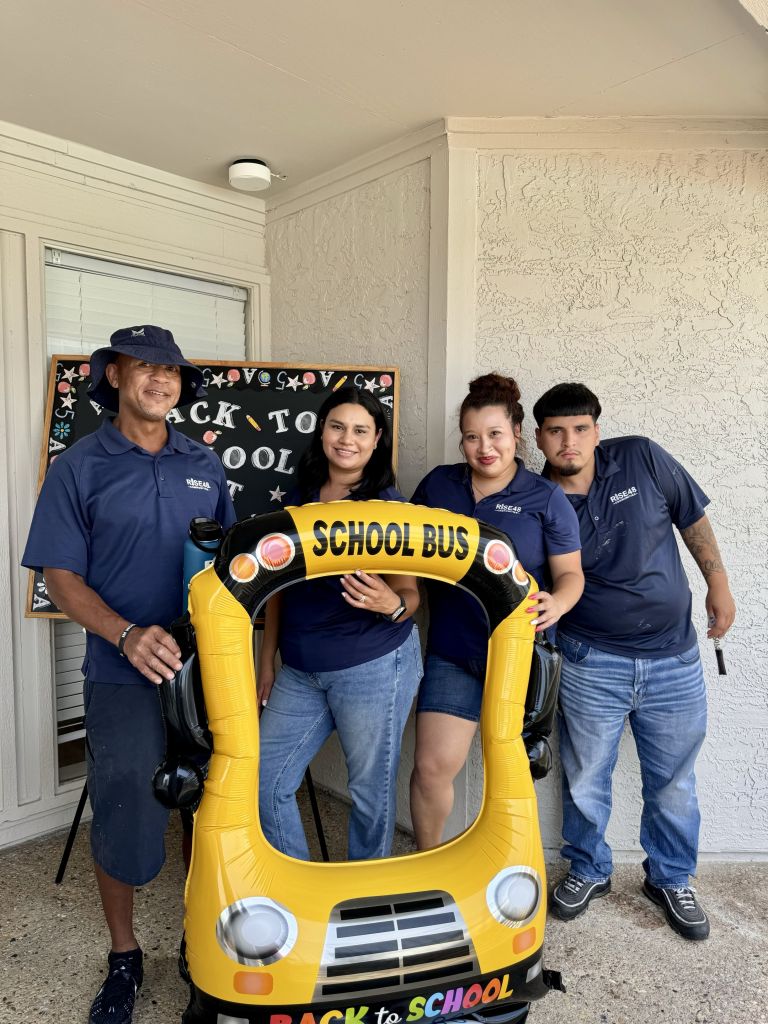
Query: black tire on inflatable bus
<point>510,1015</point>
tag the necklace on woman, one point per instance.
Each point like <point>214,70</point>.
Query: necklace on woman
<point>335,490</point>
<point>496,487</point>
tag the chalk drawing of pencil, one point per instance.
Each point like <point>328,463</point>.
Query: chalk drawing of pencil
<point>253,422</point>
<point>339,382</point>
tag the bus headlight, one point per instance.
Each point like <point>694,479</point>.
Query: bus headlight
<point>256,931</point>
<point>514,896</point>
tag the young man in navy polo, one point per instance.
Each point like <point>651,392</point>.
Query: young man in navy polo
<point>630,651</point>
<point>108,533</point>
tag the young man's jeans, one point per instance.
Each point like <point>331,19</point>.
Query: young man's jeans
<point>368,705</point>
<point>665,701</point>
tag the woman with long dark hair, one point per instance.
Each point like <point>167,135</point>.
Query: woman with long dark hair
<point>350,651</point>
<point>493,485</point>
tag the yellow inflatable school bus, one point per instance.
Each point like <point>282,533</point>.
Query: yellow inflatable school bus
<point>449,932</point>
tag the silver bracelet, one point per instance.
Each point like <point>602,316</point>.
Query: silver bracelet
<point>123,636</point>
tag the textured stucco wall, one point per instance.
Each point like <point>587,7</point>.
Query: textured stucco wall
<point>644,275</point>
<point>350,279</point>
<point>349,284</point>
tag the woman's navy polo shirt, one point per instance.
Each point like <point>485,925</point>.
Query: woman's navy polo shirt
<point>320,632</point>
<point>636,601</point>
<point>118,516</point>
<point>538,520</point>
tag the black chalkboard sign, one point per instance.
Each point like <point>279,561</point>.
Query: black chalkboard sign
<point>257,417</point>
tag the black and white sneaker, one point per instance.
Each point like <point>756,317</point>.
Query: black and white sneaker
<point>681,908</point>
<point>115,999</point>
<point>573,895</point>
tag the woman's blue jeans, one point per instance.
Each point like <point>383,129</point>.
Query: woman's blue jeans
<point>665,702</point>
<point>368,706</point>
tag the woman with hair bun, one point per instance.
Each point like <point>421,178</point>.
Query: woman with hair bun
<point>350,649</point>
<point>492,485</point>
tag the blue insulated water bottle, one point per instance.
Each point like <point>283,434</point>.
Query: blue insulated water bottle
<point>200,549</point>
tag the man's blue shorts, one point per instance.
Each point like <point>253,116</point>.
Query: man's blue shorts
<point>451,687</point>
<point>125,742</point>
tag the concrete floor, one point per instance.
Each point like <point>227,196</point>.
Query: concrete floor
<point>621,962</point>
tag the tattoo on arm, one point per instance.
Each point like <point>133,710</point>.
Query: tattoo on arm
<point>700,540</point>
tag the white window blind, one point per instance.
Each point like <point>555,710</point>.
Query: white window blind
<point>86,300</point>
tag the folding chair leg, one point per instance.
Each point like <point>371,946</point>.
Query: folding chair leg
<point>316,814</point>
<point>72,833</point>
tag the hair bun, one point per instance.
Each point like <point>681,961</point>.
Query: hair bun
<point>494,389</point>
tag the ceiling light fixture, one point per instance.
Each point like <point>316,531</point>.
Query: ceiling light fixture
<point>249,175</point>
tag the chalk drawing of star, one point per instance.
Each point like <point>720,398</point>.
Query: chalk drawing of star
<point>68,374</point>
<point>68,400</point>
<point>217,380</point>
<point>277,495</point>
<point>293,383</point>
<point>370,385</point>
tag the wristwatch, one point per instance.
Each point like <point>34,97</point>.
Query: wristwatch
<point>401,609</point>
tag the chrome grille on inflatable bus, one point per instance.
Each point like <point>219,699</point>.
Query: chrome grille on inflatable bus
<point>376,946</point>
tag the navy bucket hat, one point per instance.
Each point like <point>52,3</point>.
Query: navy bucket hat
<point>152,345</point>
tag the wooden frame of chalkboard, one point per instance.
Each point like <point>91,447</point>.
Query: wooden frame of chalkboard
<point>258,417</point>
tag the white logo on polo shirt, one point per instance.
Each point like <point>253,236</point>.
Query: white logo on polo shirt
<point>198,485</point>
<point>501,507</point>
<point>631,492</point>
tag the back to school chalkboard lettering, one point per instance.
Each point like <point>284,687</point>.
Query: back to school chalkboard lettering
<point>257,417</point>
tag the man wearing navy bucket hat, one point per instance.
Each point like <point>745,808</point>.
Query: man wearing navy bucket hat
<point>108,533</point>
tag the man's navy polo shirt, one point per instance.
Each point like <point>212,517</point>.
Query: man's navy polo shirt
<point>539,522</point>
<point>118,516</point>
<point>636,600</point>
<point>320,632</point>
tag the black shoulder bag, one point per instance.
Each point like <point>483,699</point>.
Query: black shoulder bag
<point>541,705</point>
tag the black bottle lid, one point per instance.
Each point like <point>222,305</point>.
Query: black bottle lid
<point>205,530</point>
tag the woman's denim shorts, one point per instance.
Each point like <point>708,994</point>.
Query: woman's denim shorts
<point>452,687</point>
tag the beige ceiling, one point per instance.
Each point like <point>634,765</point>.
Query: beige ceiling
<point>189,85</point>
